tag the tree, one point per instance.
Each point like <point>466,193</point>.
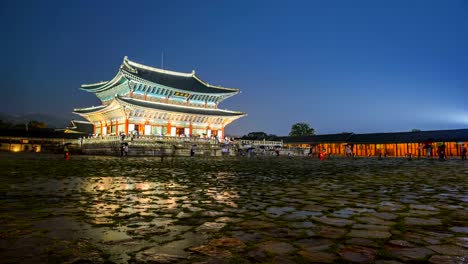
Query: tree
<point>36,124</point>
<point>259,136</point>
<point>5,124</point>
<point>301,129</point>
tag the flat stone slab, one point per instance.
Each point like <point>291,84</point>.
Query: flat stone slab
<point>228,242</point>
<point>255,224</point>
<point>314,244</point>
<point>330,232</point>
<point>318,257</point>
<point>369,234</point>
<point>371,227</point>
<point>460,241</point>
<point>211,251</point>
<point>422,221</point>
<point>361,242</point>
<point>300,215</point>
<point>153,255</point>
<point>279,211</point>
<point>339,222</point>
<point>409,254</point>
<point>450,250</point>
<point>210,227</point>
<point>374,221</point>
<point>301,225</point>
<point>277,248</point>
<point>358,254</point>
<point>423,207</point>
<point>400,243</point>
<point>460,229</point>
<point>439,259</point>
<point>385,216</point>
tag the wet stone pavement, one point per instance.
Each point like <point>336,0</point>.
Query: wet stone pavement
<point>232,210</point>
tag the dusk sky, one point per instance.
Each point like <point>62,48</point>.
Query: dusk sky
<point>355,66</point>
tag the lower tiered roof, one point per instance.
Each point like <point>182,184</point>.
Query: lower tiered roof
<point>127,101</point>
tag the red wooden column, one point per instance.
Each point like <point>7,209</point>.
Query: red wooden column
<point>94,129</point>
<point>190,129</point>
<point>168,128</point>
<point>117,127</point>
<point>101,128</point>
<point>126,126</point>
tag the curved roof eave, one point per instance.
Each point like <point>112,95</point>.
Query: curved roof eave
<point>179,109</point>
<point>89,110</point>
<point>128,62</point>
<point>104,85</point>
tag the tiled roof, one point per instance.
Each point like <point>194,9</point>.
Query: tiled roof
<point>183,81</point>
<point>89,109</point>
<point>81,126</point>
<point>455,135</point>
<point>329,138</point>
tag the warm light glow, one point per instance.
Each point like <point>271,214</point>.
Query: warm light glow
<point>16,149</point>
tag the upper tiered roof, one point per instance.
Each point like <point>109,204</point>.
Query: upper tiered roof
<point>181,81</point>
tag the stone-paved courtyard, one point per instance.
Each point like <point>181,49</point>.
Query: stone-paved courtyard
<point>232,210</point>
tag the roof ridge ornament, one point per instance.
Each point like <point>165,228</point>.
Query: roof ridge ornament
<point>127,65</point>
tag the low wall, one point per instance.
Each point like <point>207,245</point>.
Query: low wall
<point>146,148</point>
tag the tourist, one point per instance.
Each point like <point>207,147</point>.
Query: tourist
<point>463,156</point>
<point>66,152</point>
<point>323,154</point>
<point>441,151</point>
<point>348,151</point>
<point>410,156</point>
<point>126,149</point>
<point>121,150</point>
<point>192,151</point>
<point>428,151</point>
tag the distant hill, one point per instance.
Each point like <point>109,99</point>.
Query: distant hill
<point>52,121</point>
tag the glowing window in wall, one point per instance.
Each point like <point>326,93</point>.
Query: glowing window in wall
<point>198,132</point>
<point>156,130</point>
<point>147,129</point>
<point>104,130</point>
<point>173,131</point>
<point>131,127</point>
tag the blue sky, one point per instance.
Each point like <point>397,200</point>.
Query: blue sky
<point>359,66</point>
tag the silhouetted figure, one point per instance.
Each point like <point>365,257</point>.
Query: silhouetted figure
<point>441,152</point>
<point>66,152</point>
<point>410,156</point>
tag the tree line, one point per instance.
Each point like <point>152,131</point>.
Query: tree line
<point>28,125</point>
<point>297,130</point>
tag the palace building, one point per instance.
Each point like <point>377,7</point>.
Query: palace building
<point>155,101</point>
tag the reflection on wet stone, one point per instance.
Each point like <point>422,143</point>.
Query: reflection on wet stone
<point>234,210</point>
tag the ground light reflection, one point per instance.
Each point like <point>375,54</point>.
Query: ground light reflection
<point>244,210</point>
